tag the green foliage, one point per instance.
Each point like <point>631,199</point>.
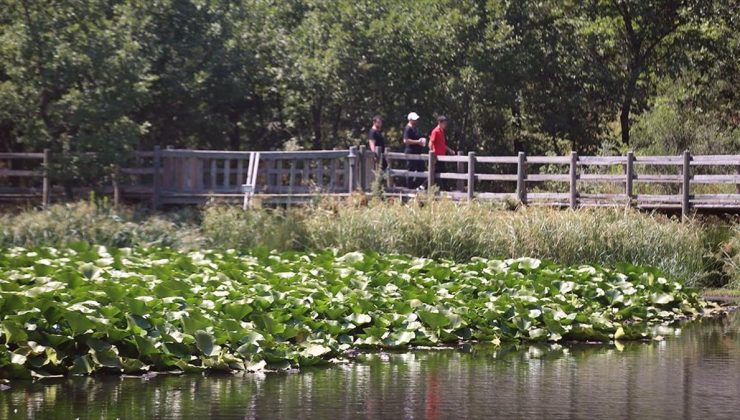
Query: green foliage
<point>63,224</point>
<point>460,232</point>
<point>540,76</point>
<point>91,309</point>
<point>688,251</point>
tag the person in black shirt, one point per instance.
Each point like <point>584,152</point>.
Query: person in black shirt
<point>377,140</point>
<point>413,144</point>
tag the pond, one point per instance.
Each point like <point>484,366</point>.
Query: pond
<point>693,373</point>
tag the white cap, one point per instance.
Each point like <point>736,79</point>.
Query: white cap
<point>413,116</point>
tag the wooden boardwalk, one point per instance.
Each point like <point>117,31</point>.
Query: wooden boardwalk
<point>177,177</point>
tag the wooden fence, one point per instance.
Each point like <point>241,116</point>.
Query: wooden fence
<point>630,172</point>
<point>176,176</point>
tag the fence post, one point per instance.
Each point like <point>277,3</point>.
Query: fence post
<point>737,186</point>
<point>521,186</point>
<point>363,168</point>
<point>573,180</point>
<point>630,173</point>
<point>471,175</point>
<point>460,169</point>
<point>116,187</point>
<point>45,188</point>
<point>686,185</point>
<point>431,172</point>
<point>352,165</point>
<point>389,177</point>
<point>156,178</point>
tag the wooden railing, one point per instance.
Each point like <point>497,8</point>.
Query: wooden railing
<point>25,183</point>
<point>630,175</point>
<point>175,176</point>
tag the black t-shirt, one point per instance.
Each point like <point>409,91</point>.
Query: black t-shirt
<point>412,133</point>
<point>378,137</point>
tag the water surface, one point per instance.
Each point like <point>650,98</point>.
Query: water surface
<point>695,374</point>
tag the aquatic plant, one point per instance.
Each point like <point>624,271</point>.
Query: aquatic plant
<point>84,309</point>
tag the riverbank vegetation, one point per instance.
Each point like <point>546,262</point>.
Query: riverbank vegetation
<point>545,77</point>
<point>91,309</point>
<point>700,253</point>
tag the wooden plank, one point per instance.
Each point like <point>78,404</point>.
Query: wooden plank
<point>629,174</point>
<point>497,159</point>
<point>497,177</point>
<point>521,175</point>
<point>686,184</point>
<point>471,175</point>
<point>19,173</point>
<point>548,196</point>
<point>603,196</point>
<point>573,180</point>
<point>731,198</point>
<point>451,175</point>
<point>407,173</point>
<point>601,178</point>
<point>550,160</point>
<point>452,158</point>
<point>30,156</point>
<point>602,160</point>
<point>548,177</point>
<point>715,179</point>
<point>672,179</point>
<point>213,174</point>
<point>240,178</point>
<point>658,197</point>
<point>659,160</point>
<point>333,174</point>
<point>406,156</point>
<point>227,173</point>
<point>320,174</point>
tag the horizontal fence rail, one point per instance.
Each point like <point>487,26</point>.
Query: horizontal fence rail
<point>179,176</point>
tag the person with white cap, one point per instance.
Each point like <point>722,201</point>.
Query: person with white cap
<point>413,144</point>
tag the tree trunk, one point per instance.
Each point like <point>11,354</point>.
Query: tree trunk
<point>626,108</point>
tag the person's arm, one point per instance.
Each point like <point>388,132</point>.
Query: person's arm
<point>371,141</point>
<point>416,142</point>
<point>450,151</point>
<point>407,140</point>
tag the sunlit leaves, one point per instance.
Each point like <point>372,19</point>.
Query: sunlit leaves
<point>165,310</point>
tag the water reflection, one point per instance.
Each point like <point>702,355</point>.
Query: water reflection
<point>693,375</point>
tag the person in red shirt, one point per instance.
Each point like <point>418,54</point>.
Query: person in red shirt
<point>438,140</point>
<point>438,145</point>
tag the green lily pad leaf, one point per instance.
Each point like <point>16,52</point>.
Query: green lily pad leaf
<point>359,319</point>
<point>82,365</point>
<point>434,320</point>
<point>315,350</point>
<point>204,342</point>
<point>661,298</point>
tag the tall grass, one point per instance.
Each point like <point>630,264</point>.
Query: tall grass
<point>448,230</point>
<point>698,254</point>
<point>100,224</point>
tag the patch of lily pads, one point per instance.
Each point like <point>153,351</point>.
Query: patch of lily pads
<point>87,309</point>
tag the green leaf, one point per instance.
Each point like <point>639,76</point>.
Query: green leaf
<point>204,342</point>
<point>434,320</point>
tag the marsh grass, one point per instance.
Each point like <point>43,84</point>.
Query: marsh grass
<point>448,230</point>
<point>702,254</point>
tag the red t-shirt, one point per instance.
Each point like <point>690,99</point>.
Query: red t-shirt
<point>438,142</point>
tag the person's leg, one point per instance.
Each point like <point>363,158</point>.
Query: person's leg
<point>439,168</point>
